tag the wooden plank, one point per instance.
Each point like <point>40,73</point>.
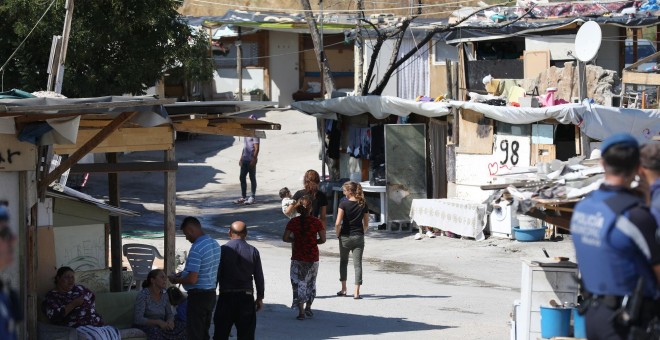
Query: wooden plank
<point>462,81</point>
<point>194,122</point>
<point>24,118</point>
<point>641,78</point>
<point>641,61</point>
<point>99,123</point>
<point>87,147</point>
<point>125,167</point>
<point>543,153</point>
<point>210,130</point>
<point>450,83</point>
<point>85,106</point>
<point>170,215</point>
<point>123,140</point>
<point>476,135</point>
<point>31,249</point>
<point>16,155</point>
<point>535,63</point>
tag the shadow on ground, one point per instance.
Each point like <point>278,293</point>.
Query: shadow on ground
<point>389,297</point>
<point>278,322</point>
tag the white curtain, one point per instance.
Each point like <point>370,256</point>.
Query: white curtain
<point>413,76</point>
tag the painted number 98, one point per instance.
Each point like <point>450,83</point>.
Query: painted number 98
<point>504,146</point>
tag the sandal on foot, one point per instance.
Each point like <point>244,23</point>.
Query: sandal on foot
<point>358,297</point>
<point>309,313</point>
<point>340,293</point>
<point>300,317</point>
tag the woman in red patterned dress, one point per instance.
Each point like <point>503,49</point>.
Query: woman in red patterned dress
<point>306,233</point>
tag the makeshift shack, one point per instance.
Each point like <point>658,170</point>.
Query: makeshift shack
<point>492,145</point>
<point>76,127</point>
<point>385,142</point>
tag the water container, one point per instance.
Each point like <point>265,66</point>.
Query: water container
<point>555,322</point>
<point>527,222</point>
<point>579,328</point>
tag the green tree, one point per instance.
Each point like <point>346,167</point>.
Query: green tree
<point>115,46</point>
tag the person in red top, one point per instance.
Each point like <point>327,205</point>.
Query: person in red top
<point>306,233</point>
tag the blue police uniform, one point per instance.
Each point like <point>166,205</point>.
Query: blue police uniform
<point>613,234</point>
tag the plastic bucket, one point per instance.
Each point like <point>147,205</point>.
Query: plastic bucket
<point>555,322</point>
<point>579,328</point>
<point>527,222</point>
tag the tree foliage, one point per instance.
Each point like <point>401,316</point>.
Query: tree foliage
<point>115,46</point>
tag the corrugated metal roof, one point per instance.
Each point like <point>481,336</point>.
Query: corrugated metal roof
<point>74,195</point>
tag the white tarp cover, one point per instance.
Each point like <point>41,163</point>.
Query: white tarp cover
<point>602,121</point>
<point>596,121</point>
<point>378,106</point>
<point>565,114</point>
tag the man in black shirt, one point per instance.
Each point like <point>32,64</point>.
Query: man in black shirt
<point>240,265</point>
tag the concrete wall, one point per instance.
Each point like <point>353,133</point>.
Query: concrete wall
<point>226,79</point>
<point>66,213</point>
<point>608,55</point>
<point>560,45</point>
<point>381,65</point>
<point>473,170</point>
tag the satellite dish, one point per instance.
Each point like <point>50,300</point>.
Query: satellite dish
<point>587,41</point>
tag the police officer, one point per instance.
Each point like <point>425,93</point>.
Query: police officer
<point>614,237</point>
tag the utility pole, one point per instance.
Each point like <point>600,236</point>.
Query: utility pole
<point>239,65</point>
<point>323,76</point>
<point>58,70</point>
<point>359,46</point>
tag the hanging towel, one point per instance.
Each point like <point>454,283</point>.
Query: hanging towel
<point>354,142</point>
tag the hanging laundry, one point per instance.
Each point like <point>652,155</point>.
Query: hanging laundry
<point>334,139</point>
<point>366,143</point>
<point>355,138</point>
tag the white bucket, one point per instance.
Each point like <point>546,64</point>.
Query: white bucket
<point>528,222</point>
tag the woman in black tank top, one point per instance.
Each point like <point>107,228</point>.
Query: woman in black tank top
<point>351,224</point>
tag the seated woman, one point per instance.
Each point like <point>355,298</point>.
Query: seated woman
<point>153,312</point>
<point>73,305</point>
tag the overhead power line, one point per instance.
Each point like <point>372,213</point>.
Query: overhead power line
<point>2,68</point>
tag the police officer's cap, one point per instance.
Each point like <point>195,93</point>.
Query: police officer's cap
<point>618,139</point>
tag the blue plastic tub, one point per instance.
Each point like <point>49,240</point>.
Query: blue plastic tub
<point>529,235</point>
<point>579,328</point>
<point>555,322</point>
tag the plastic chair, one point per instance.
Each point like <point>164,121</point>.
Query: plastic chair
<point>141,258</point>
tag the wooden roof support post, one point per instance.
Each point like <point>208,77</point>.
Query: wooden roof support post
<point>115,229</point>
<point>86,148</point>
<point>634,44</point>
<point>170,215</point>
<point>27,231</point>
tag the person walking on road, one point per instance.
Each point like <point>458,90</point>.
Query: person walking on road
<point>306,233</point>
<point>616,246</point>
<point>199,278</point>
<point>351,224</point>
<point>311,182</point>
<point>241,264</point>
<point>248,164</point>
